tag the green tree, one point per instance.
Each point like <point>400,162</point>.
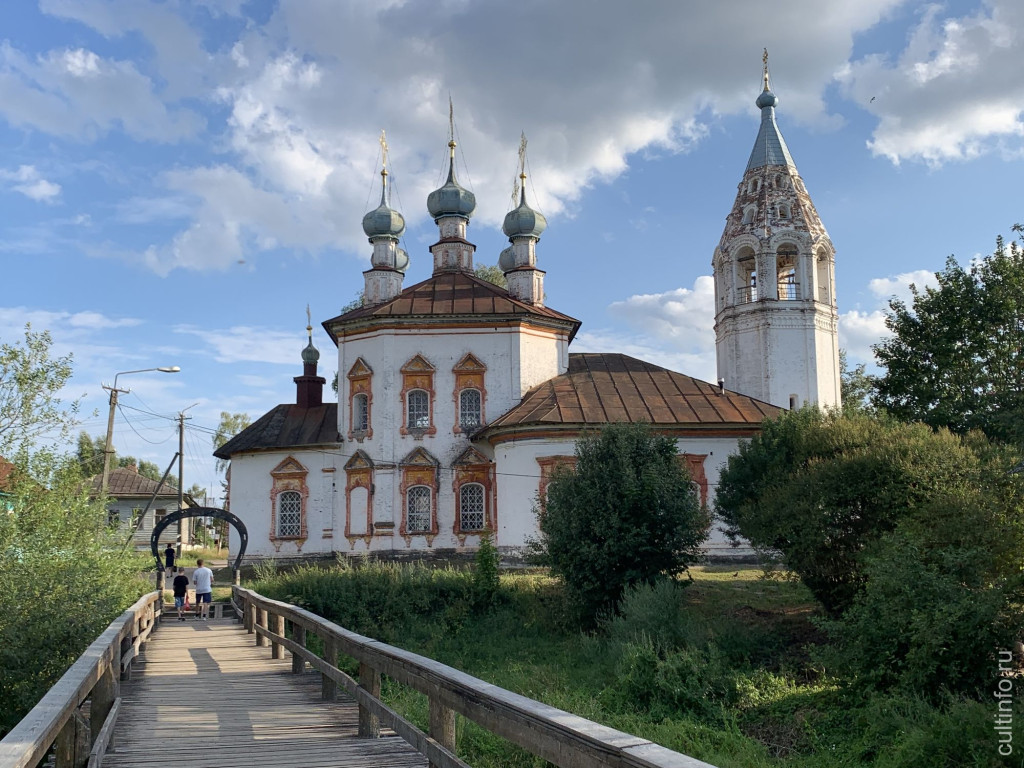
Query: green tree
<point>63,575</point>
<point>30,384</point>
<point>955,358</point>
<point>491,274</point>
<point>627,514</point>
<point>856,385</point>
<point>89,453</point>
<point>823,488</point>
<point>230,425</point>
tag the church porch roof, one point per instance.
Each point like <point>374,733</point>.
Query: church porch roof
<point>601,388</point>
<point>284,427</point>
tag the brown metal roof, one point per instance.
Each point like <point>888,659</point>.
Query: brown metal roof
<point>286,426</point>
<point>125,482</point>
<point>454,295</point>
<point>602,388</point>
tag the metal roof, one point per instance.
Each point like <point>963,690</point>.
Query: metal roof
<point>601,388</point>
<point>286,426</point>
<point>769,148</point>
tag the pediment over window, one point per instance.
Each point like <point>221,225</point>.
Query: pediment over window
<point>289,466</point>
<point>471,456</point>
<point>359,368</point>
<point>469,364</point>
<point>417,364</point>
<point>360,460</point>
<point>420,458</point>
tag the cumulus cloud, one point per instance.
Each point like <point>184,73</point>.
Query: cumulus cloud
<point>28,181</point>
<point>76,93</point>
<point>674,329</point>
<point>953,93</point>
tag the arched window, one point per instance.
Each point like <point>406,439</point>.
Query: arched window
<point>783,211</point>
<point>417,509</point>
<point>748,214</point>
<point>469,408</point>
<point>418,408</point>
<point>289,515</point>
<point>471,507</point>
<point>360,413</point>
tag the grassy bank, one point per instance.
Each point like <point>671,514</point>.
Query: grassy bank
<point>729,668</point>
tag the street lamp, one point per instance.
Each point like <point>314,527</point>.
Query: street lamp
<point>110,419</point>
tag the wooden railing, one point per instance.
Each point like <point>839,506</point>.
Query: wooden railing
<point>57,720</point>
<point>552,734</point>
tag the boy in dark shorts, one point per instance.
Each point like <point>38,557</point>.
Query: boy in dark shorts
<point>180,592</point>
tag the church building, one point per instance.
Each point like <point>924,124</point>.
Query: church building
<point>457,398</point>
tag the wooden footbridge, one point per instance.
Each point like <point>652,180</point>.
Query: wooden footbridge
<point>265,688</point>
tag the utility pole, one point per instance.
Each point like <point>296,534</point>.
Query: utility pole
<point>183,524</point>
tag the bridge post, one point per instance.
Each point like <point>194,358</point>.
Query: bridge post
<point>261,620</point>
<point>72,746</point>
<point>442,726</point>
<point>369,723</point>
<point>250,616</point>
<point>299,637</point>
<point>107,689</point>
<point>329,688</point>
<point>276,649</point>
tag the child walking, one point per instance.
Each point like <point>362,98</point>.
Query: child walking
<point>180,592</point>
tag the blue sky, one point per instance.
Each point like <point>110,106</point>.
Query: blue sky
<point>180,179</point>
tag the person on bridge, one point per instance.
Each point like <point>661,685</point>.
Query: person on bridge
<point>203,579</point>
<point>180,592</point>
<point>169,559</point>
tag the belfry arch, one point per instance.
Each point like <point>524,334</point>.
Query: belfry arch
<point>217,514</point>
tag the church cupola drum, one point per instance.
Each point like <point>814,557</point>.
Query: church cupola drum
<point>383,227</point>
<point>776,321</point>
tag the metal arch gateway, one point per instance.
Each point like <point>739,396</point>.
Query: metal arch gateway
<point>181,514</point>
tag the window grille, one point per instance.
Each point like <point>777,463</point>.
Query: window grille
<point>417,518</point>
<point>471,511</point>
<point>419,409</point>
<point>289,514</point>
<point>360,413</point>
<point>469,408</point>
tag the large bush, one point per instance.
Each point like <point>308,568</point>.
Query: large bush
<point>64,576</point>
<point>821,488</point>
<point>627,514</point>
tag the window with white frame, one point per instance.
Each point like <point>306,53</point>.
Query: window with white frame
<point>471,507</point>
<point>360,413</point>
<point>418,408</point>
<point>289,514</point>
<point>417,518</point>
<point>469,408</point>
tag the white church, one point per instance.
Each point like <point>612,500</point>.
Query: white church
<point>457,398</point>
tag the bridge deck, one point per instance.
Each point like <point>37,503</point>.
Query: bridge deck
<point>204,695</point>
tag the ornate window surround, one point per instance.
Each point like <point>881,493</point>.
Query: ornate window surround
<point>289,475</point>
<point>419,468</point>
<point>359,474</point>
<point>417,374</point>
<point>360,382</point>
<point>469,374</point>
<point>473,468</point>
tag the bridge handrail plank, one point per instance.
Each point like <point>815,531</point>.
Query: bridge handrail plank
<point>553,734</point>
<point>28,742</point>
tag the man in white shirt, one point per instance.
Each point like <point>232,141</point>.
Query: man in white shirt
<point>203,579</point>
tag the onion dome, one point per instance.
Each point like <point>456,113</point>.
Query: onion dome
<point>524,221</point>
<point>401,260</point>
<point>452,199</point>
<point>383,221</point>
<point>310,355</point>
<point>767,99</point>
<point>506,261</point>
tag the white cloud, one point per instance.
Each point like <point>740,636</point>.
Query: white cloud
<point>30,183</point>
<point>898,286</point>
<point>674,329</point>
<point>954,92</point>
<point>76,93</point>
<point>247,344</point>
<point>307,92</point>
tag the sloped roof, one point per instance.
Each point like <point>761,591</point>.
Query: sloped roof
<point>454,294</point>
<point>769,147</point>
<point>126,481</point>
<point>600,388</point>
<point>286,426</point>
<point>6,468</point>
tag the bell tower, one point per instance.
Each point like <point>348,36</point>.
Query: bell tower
<point>776,321</point>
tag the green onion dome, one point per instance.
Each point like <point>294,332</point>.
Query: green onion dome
<point>506,261</point>
<point>401,260</point>
<point>452,199</point>
<point>523,221</point>
<point>383,221</point>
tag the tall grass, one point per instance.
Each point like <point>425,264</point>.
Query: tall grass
<point>723,670</point>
